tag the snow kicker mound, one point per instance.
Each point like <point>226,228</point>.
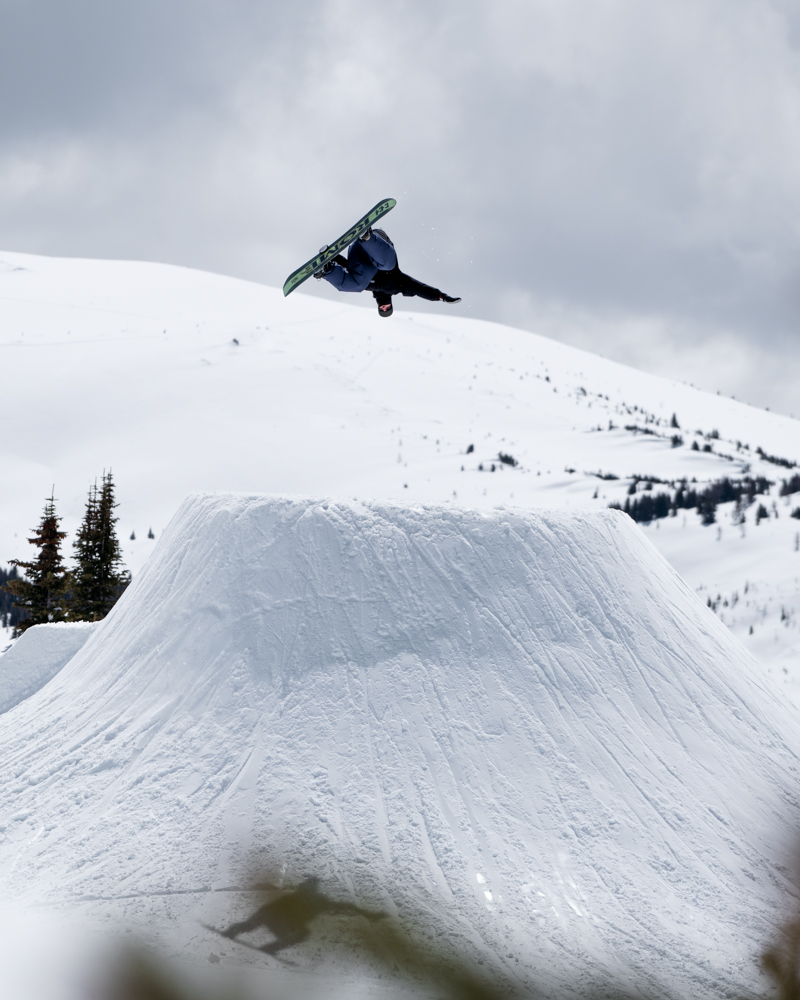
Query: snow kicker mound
<point>37,656</point>
<point>522,725</point>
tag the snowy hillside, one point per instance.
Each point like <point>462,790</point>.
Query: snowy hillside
<point>523,727</point>
<point>181,380</point>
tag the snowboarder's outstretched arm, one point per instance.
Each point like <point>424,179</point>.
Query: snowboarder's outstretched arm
<point>410,286</point>
<point>355,911</point>
<point>364,259</point>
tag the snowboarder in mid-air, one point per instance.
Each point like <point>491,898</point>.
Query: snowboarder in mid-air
<point>371,264</point>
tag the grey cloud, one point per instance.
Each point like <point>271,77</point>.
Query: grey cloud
<point>90,65</point>
<point>632,166</point>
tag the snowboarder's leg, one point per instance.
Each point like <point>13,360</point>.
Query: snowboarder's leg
<point>364,259</point>
<point>327,268</point>
<point>286,941</point>
<point>380,251</point>
<point>353,278</point>
<point>257,920</point>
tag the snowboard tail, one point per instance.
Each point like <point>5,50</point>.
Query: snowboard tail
<point>365,222</point>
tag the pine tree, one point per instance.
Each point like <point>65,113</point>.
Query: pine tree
<point>9,611</point>
<point>99,577</point>
<point>85,572</point>
<point>40,593</point>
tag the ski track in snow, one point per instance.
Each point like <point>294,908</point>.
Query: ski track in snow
<point>524,728</point>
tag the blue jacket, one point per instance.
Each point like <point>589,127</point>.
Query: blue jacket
<point>364,260</point>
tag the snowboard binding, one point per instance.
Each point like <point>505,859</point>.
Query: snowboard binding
<point>326,268</point>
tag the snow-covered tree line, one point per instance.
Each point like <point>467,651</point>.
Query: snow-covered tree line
<point>49,591</point>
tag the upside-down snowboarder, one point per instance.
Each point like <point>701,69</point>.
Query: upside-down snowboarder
<point>371,264</point>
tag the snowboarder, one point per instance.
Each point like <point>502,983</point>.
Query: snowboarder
<point>288,916</point>
<point>371,264</point>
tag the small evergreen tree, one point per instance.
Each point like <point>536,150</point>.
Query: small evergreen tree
<point>99,577</point>
<point>10,613</point>
<point>707,509</point>
<point>40,593</point>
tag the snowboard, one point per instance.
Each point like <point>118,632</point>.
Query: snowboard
<point>246,944</point>
<point>299,276</point>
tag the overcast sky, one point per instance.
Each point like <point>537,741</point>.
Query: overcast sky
<point>622,175</point>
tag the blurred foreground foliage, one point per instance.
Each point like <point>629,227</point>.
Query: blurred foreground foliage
<point>781,961</point>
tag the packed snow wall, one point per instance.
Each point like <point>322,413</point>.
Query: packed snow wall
<point>522,725</point>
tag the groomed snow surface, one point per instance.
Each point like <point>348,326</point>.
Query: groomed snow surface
<point>522,729</point>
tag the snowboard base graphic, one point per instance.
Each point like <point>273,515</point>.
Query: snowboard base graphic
<point>365,222</point>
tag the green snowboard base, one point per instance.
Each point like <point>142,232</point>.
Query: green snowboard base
<point>299,276</point>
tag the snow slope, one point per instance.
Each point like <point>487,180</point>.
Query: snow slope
<point>133,366</point>
<point>522,726</point>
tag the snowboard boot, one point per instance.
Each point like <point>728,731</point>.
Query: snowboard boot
<point>449,298</point>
